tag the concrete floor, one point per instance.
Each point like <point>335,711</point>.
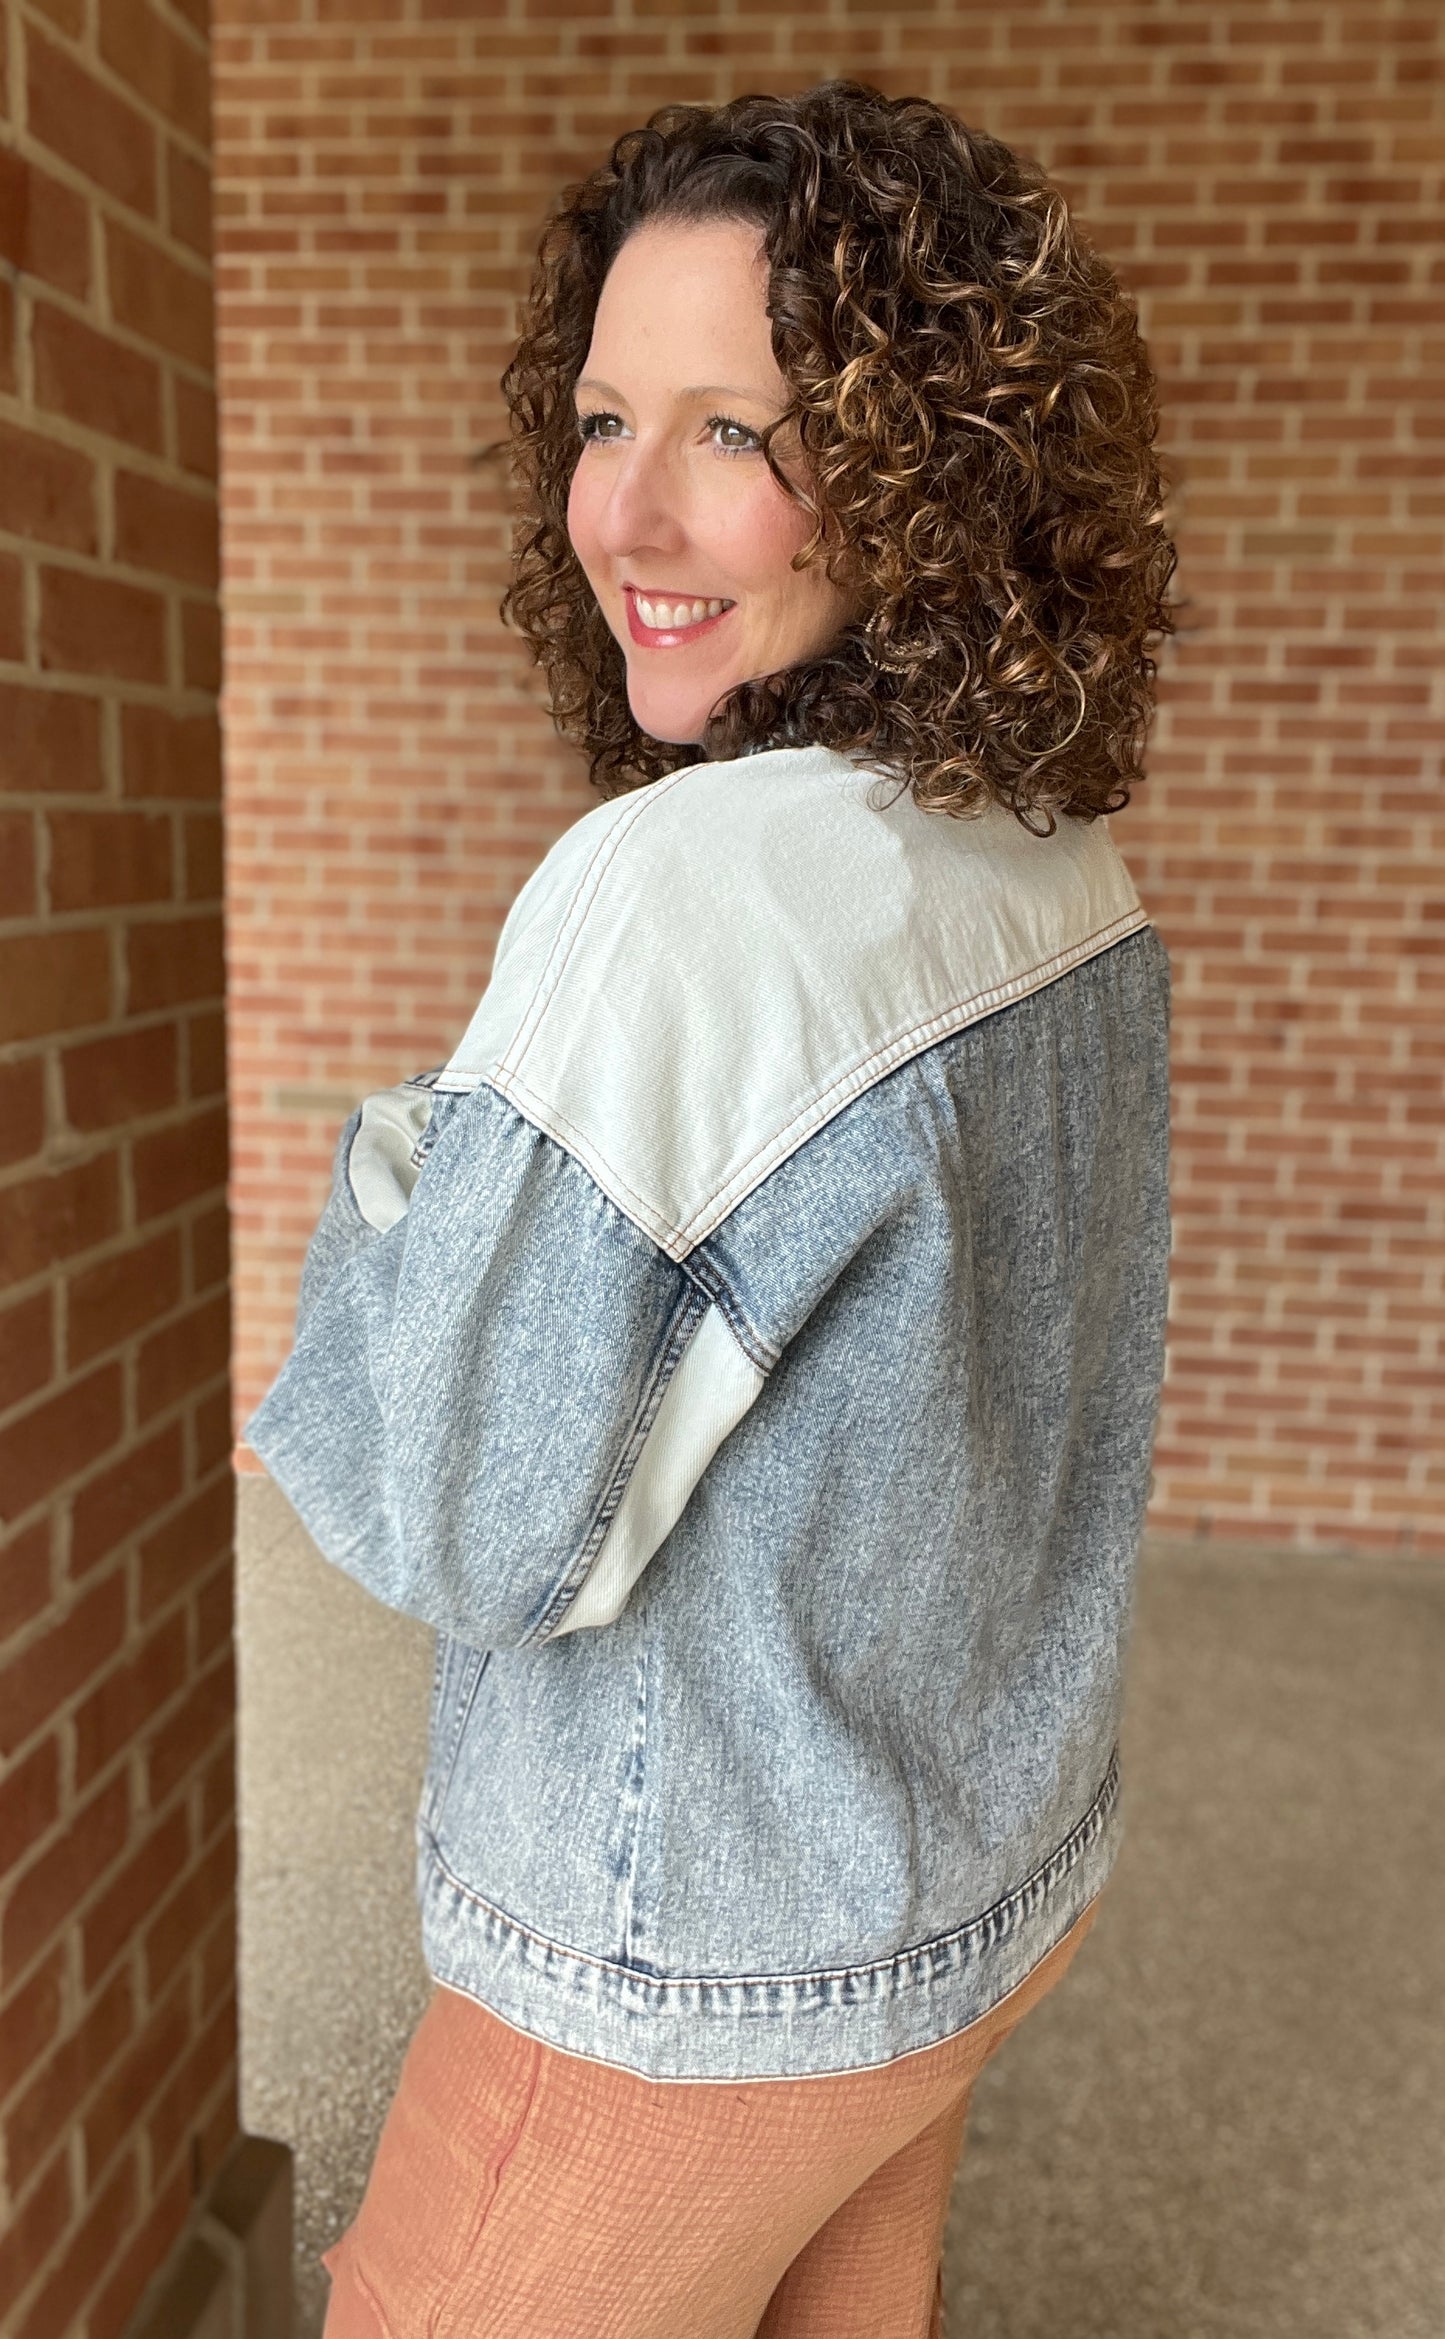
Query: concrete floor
<point>1228,2124</point>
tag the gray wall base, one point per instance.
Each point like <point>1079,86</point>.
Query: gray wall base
<point>229,2276</point>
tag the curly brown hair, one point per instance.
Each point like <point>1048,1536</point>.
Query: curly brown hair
<point>976,415</point>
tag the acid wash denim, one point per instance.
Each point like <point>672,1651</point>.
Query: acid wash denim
<point>745,1351</point>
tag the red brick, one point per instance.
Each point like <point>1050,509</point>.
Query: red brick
<point>206,1038</point>
<point>95,380</point>
<point>18,895</point>
<point>46,491</point>
<point>115,1714</point>
<point>92,128</point>
<point>167,754</point>
<point>58,1438</point>
<point>164,528</point>
<point>196,437</point>
<point>188,201</point>
<point>190,1913</point>
<point>210,1240</point>
<point>214,1613</point>
<point>201,645</point>
<point>12,607</point>
<point>44,1896</point>
<point>218,1780</point>
<point>22,1107</point>
<point>172,961</point>
<point>93,2249</point>
<point>180,1163</point>
<point>218,2130</point>
<point>57,1215</point>
<point>108,1302</point>
<point>49,741</point>
<point>32,2231</point>
<point>203,842</point>
<point>30,2022</point>
<point>95,624</point>
<point>52,982</point>
<point>122,1077</point>
<point>101,858</point>
<point>132,1894</point>
<point>29,1800</point>
<point>164,68</point>
<point>183,1355</point>
<point>211,1428</point>
<point>50,1669</point>
<point>34,2124</point>
<point>68,15</point>
<point>157,298</point>
<point>70,613</point>
<point>119,2105</point>
<point>208,2063</point>
<point>7,335</point>
<point>27,1348</point>
<point>25,1577</point>
<point>44,225</point>
<point>118,1501</point>
<point>187,1546</point>
<point>180,1742</point>
<point>14,207</point>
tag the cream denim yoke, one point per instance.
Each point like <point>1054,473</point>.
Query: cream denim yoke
<point>746,1352</point>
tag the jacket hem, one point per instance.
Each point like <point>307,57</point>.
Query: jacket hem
<point>761,2026</point>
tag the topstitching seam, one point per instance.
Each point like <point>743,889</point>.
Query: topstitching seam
<point>679,1241</point>
<point>991,1925</point>
<point>592,876</point>
<point>913,1041</point>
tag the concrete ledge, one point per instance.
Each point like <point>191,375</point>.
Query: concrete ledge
<point>229,2276</point>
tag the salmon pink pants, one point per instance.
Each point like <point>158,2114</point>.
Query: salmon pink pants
<point>522,2193</point>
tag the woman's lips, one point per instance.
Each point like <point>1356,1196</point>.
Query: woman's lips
<point>669,637</point>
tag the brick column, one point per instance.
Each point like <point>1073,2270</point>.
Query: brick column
<point>117,1845</point>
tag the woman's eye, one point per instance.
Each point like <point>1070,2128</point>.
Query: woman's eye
<point>724,422</point>
<point>738,437</point>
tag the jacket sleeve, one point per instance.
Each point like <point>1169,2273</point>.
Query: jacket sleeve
<point>501,1391</point>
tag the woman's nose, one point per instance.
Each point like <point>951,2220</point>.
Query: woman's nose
<point>641,510</point>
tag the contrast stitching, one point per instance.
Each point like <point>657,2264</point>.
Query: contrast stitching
<point>689,1316</point>
<point>993,1924</point>
<point>592,875</point>
<point>472,1675</point>
<point>550,1121</point>
<point>679,1241</point>
<point>758,1350</point>
<point>912,1042</point>
<point>706,1275</point>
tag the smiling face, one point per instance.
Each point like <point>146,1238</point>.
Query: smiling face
<point>685,537</point>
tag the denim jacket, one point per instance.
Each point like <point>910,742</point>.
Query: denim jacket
<point>745,1351</point>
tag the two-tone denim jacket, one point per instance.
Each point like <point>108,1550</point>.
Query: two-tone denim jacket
<point>746,1352</point>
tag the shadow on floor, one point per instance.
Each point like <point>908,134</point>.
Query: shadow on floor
<point>1229,2122</point>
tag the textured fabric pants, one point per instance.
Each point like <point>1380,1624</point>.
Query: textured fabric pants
<point>522,2193</point>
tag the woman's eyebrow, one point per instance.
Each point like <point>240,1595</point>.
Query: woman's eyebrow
<point>693,390</point>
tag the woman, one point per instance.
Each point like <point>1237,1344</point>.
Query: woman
<point>745,1350</point>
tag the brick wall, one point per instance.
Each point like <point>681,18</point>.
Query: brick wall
<point>116,1824</point>
<point>1268,180</point>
